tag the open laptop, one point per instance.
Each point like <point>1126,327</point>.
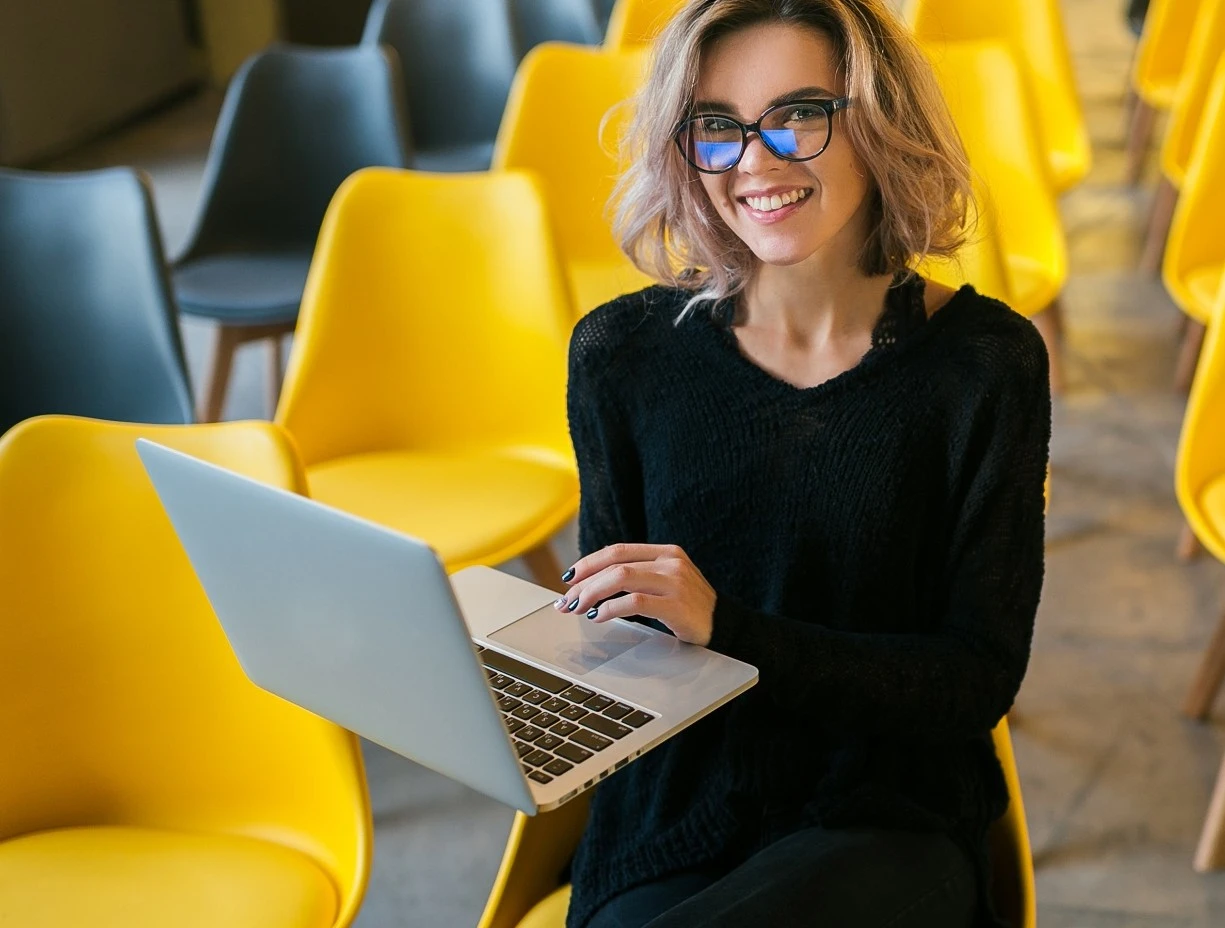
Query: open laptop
<point>475,676</point>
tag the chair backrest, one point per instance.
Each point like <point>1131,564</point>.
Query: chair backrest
<point>577,166</point>
<point>1195,238</point>
<point>1202,56</point>
<point>539,846</point>
<point>980,261</point>
<point>1201,446</point>
<point>638,22</point>
<point>458,58</point>
<point>87,318</point>
<point>120,701</point>
<point>295,123</point>
<point>1161,52</point>
<point>989,102</point>
<point>435,316</point>
<point>1034,30</point>
<point>538,21</point>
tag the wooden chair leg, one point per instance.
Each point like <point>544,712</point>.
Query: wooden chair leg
<point>1208,677</point>
<point>1189,547</point>
<point>544,566</point>
<point>1160,218</point>
<point>1138,134</point>
<point>274,374</point>
<point>1188,355</point>
<point>1049,324</point>
<point>227,341</point>
<point>1210,854</point>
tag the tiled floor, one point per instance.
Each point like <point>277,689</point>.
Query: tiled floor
<point>1115,782</point>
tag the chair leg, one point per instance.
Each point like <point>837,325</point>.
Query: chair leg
<point>227,342</point>
<point>1138,134</point>
<point>1049,324</point>
<point>1189,547</point>
<point>544,566</point>
<point>1208,677</point>
<point>1188,355</point>
<point>1210,854</point>
<point>1160,218</point>
<point>274,374</point>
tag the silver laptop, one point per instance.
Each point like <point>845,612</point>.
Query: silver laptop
<point>475,676</point>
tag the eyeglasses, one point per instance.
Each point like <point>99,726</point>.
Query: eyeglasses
<point>797,131</point>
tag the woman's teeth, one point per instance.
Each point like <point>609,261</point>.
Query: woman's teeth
<point>769,204</point>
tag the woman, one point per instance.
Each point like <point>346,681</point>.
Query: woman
<point>803,456</point>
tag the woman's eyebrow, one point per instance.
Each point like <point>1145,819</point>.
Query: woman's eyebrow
<point>801,93</point>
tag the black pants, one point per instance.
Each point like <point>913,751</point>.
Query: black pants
<point>858,878</point>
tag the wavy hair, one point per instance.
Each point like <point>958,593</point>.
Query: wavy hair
<point>921,193</point>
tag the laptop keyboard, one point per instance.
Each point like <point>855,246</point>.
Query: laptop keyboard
<point>553,722</point>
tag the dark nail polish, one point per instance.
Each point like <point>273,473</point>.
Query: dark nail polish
<point>572,606</point>
<point>568,576</point>
<point>593,612</point>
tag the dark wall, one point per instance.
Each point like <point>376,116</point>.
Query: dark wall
<point>324,22</point>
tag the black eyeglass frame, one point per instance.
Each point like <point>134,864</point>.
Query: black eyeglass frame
<point>829,106</point>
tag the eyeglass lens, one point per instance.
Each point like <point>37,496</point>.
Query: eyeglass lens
<point>796,132</point>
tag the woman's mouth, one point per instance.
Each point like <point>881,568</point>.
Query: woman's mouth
<point>774,207</point>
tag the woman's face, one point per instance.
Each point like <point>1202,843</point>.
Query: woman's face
<point>742,75</point>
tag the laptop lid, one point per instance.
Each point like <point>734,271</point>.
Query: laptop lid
<point>341,616</point>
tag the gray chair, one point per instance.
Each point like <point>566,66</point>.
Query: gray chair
<point>295,123</point>
<point>458,58</point>
<point>537,21</point>
<point>604,10</point>
<point>87,320</point>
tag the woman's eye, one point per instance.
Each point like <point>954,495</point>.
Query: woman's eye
<point>717,124</point>
<point>804,113</point>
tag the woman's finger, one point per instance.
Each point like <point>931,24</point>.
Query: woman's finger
<point>642,577</point>
<point>626,553</point>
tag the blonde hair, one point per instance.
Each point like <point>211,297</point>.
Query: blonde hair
<point>899,126</point>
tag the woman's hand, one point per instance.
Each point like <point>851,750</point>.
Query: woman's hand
<point>660,582</point>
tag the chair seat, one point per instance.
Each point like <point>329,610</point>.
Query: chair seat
<point>1068,168</point>
<point>476,156</point>
<point>473,507</point>
<point>596,282</point>
<point>1034,287</point>
<point>260,288</point>
<point>145,878</point>
<point>1203,286</point>
<point>549,912</point>
<point>1208,516</point>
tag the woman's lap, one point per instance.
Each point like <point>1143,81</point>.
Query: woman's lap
<point>862,877</point>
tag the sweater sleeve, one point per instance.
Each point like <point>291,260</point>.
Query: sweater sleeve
<point>610,478</point>
<point>960,678</point>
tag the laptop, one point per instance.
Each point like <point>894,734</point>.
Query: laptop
<point>475,676</point>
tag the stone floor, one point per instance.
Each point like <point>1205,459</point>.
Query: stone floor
<point>1115,782</point>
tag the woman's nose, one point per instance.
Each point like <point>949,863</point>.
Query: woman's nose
<point>757,158</point>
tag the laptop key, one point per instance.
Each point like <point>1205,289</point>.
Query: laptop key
<point>539,777</point>
<point>517,689</point>
<point>578,694</point>
<point>589,739</point>
<point>544,720</point>
<point>538,758</point>
<point>541,679</point>
<point>597,703</point>
<point>572,752</point>
<point>513,725</point>
<point>523,749</point>
<point>637,718</point>
<point>618,710</point>
<point>564,728</point>
<point>530,733</point>
<point>508,704</point>
<point>548,742</point>
<point>536,697</point>
<point>574,713</point>
<point>525,712</point>
<point>558,767</point>
<point>499,680</point>
<point>606,726</point>
<point>555,704</point>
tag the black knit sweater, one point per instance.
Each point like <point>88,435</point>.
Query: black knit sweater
<point>876,546</point>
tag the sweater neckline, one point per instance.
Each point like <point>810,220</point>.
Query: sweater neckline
<point>895,331</point>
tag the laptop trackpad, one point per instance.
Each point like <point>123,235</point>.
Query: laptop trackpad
<point>575,646</point>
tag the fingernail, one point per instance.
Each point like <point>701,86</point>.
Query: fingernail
<point>593,612</point>
<point>559,602</point>
<point>568,576</point>
<point>572,606</point>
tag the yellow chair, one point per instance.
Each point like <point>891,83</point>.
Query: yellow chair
<point>1195,253</point>
<point>638,22</point>
<point>146,781</point>
<point>526,893</point>
<point>426,389</point>
<point>1199,480</point>
<point>988,102</point>
<point>577,166</point>
<point>1033,30</point>
<point>1157,71</point>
